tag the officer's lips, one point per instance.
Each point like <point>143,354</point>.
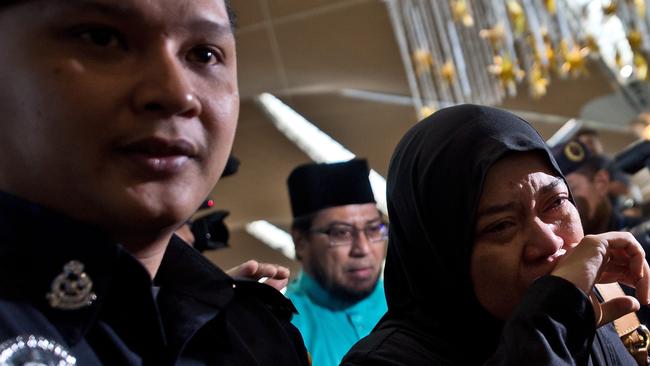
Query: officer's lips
<point>159,156</point>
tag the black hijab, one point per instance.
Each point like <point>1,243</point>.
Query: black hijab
<point>435,181</point>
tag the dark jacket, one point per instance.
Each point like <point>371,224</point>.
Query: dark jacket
<point>434,184</point>
<point>191,314</point>
<point>543,331</point>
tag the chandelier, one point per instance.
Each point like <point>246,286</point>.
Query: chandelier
<point>480,51</point>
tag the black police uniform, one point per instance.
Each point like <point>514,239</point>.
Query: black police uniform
<point>69,295</point>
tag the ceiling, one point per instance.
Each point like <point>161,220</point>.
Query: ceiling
<point>306,52</point>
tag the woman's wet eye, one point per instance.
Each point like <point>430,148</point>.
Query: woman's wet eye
<point>559,201</point>
<point>498,227</point>
<point>205,55</point>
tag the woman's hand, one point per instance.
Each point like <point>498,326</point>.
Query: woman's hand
<point>606,258</point>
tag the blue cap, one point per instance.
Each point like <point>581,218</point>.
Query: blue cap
<point>570,156</point>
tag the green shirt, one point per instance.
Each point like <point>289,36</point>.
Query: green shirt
<point>328,325</point>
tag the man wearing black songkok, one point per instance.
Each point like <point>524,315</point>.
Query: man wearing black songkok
<point>487,262</point>
<point>340,239</point>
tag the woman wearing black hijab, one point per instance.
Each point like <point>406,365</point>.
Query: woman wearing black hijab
<point>483,262</point>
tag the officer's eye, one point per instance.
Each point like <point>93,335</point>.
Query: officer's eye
<point>101,36</point>
<point>205,55</point>
<point>498,227</point>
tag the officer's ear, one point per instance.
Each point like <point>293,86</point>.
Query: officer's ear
<point>601,182</point>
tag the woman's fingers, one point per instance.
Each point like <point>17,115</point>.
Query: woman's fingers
<point>643,286</point>
<point>613,309</point>
<point>583,263</point>
<point>624,247</point>
<point>625,262</point>
<point>604,258</point>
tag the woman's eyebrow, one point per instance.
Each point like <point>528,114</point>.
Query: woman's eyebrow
<point>551,186</point>
<point>495,209</point>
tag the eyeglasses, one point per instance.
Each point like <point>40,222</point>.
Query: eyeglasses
<point>343,235</point>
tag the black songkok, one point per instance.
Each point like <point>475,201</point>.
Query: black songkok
<point>313,187</point>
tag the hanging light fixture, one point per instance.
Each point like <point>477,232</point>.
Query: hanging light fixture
<point>480,51</point>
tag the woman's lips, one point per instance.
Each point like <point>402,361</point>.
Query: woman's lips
<point>557,255</point>
<point>542,268</point>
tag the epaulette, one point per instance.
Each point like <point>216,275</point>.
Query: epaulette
<point>270,297</point>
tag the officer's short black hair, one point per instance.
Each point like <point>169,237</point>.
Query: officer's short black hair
<point>231,13</point>
<point>592,165</point>
<point>586,131</point>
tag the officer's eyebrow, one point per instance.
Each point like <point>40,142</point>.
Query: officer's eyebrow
<point>125,11</point>
<point>110,9</point>
<point>204,26</point>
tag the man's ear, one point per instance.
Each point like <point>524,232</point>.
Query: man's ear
<point>298,242</point>
<point>601,182</point>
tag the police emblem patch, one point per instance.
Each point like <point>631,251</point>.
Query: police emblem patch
<point>574,151</point>
<point>34,351</point>
<point>72,289</point>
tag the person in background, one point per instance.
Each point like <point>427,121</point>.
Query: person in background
<point>591,139</point>
<point>590,182</point>
<point>118,119</point>
<point>340,239</point>
<point>619,182</point>
<point>487,262</point>
<point>589,179</point>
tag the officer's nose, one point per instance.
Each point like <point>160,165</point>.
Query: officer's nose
<point>165,86</point>
<point>541,241</point>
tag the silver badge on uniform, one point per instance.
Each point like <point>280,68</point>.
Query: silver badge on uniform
<point>72,289</point>
<point>34,351</point>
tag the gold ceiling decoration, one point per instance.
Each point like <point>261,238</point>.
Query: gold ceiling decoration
<point>480,51</point>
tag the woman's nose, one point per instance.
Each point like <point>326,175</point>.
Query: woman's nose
<point>542,240</point>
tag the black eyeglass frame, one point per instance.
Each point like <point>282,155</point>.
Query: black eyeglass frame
<point>354,231</point>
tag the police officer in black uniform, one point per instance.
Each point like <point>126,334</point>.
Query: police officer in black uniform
<point>590,176</point>
<point>118,118</point>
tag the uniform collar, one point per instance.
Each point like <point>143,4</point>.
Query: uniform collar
<point>35,244</point>
<point>189,274</point>
<point>322,297</point>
